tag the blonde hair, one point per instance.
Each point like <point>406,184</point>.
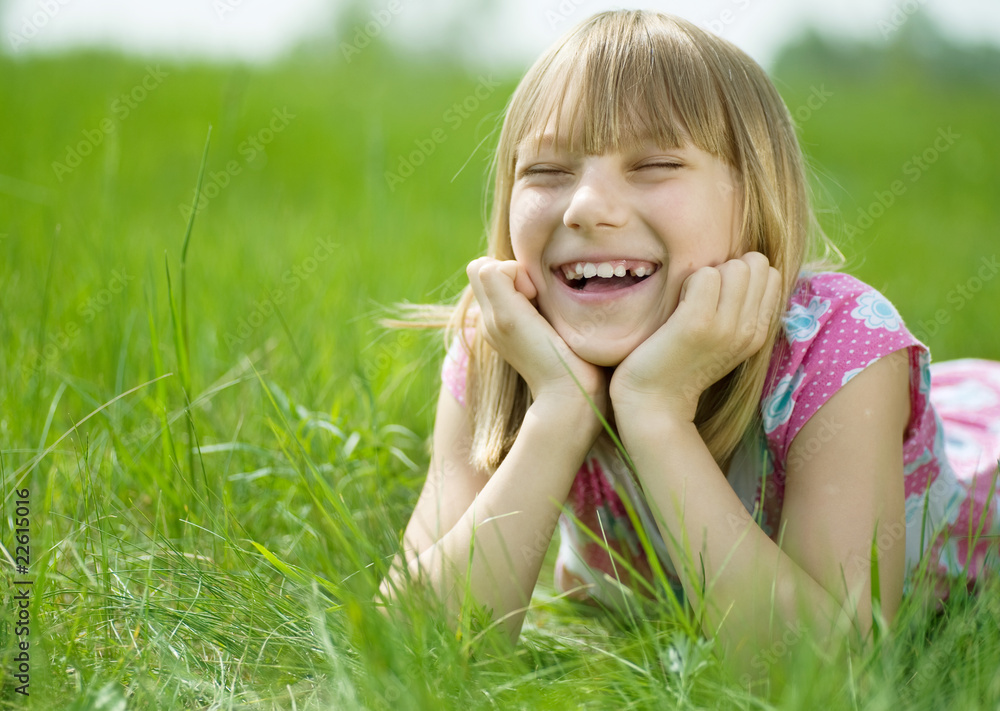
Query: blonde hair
<point>643,74</point>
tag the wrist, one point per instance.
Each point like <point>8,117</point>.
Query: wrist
<point>642,420</point>
<point>570,412</point>
<point>657,400</point>
<point>638,410</point>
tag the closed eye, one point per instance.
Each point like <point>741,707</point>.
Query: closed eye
<point>660,165</point>
<point>543,175</point>
<point>541,170</point>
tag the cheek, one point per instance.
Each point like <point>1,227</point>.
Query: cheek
<point>528,210</point>
<point>676,274</point>
<point>704,223</point>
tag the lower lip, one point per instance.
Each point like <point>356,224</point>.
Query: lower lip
<point>607,295</point>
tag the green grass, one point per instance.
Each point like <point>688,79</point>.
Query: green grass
<point>213,538</point>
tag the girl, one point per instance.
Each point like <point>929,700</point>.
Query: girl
<point>645,265</point>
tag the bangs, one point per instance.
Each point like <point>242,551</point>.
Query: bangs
<point>630,77</point>
<point>620,81</point>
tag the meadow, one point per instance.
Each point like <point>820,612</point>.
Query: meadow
<point>220,445</point>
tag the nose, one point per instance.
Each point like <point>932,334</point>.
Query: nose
<point>596,201</point>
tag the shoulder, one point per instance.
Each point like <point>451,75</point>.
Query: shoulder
<point>824,299</point>
<point>834,327</point>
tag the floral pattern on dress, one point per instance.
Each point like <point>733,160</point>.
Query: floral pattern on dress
<point>779,405</point>
<point>802,322</point>
<point>835,327</point>
<point>876,311</point>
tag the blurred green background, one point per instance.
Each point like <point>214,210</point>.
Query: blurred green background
<point>135,130</point>
<point>332,191</point>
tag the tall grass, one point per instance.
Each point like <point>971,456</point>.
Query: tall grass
<point>213,505</point>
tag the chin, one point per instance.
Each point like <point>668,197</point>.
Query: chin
<point>604,359</point>
<point>600,351</point>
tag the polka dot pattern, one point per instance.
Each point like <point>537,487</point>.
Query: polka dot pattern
<point>852,325</point>
<point>835,327</point>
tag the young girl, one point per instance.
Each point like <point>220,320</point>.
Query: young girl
<point>645,265</point>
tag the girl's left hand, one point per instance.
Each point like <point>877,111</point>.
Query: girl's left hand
<point>722,318</point>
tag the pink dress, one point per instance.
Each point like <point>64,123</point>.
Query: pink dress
<point>834,328</point>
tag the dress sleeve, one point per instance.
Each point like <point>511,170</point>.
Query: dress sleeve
<point>835,327</point>
<point>455,368</point>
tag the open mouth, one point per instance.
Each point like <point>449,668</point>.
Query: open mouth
<point>605,276</point>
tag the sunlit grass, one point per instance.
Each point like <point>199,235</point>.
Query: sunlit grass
<point>215,537</point>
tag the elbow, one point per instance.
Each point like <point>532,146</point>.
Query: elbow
<point>873,609</point>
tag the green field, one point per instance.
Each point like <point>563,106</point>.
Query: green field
<point>222,447</point>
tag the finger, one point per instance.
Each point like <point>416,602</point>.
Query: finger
<point>736,280</point>
<point>508,306</point>
<point>767,308</point>
<point>771,303</point>
<point>498,280</point>
<point>486,311</point>
<point>758,279</point>
<point>700,294</point>
<point>473,272</point>
<point>519,275</point>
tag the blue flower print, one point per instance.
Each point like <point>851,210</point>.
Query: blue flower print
<point>925,374</point>
<point>802,322</point>
<point>877,312</point>
<point>779,405</point>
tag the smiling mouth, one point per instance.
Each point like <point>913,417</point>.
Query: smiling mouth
<point>605,276</point>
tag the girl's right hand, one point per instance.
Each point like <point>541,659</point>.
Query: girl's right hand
<point>525,339</point>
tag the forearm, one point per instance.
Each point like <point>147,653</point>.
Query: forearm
<point>495,551</point>
<point>752,592</point>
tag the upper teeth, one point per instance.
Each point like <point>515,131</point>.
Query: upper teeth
<point>605,270</point>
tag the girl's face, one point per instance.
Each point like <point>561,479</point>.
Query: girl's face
<point>609,239</point>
